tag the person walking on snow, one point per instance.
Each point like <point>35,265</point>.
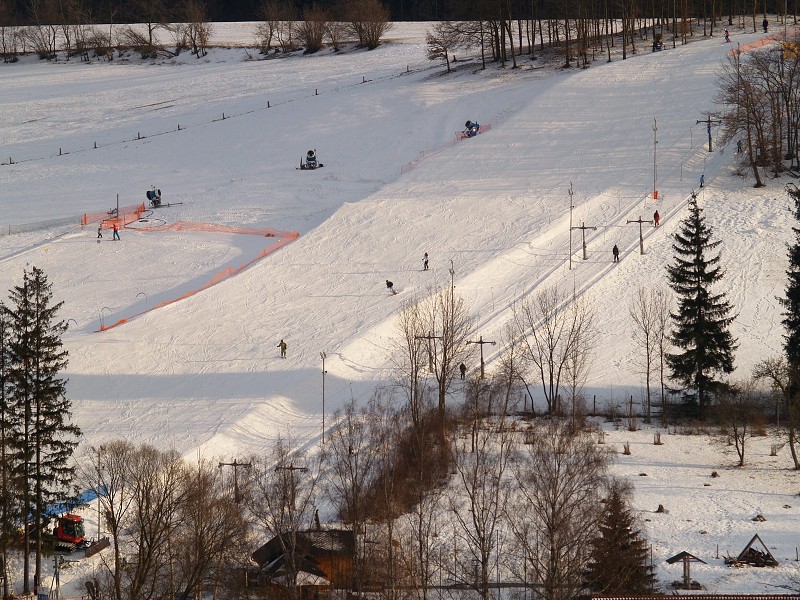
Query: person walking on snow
<point>764,24</point>
<point>282,346</point>
<point>615,253</point>
<point>390,286</point>
<point>463,368</point>
<point>702,180</point>
<point>727,36</point>
<point>656,219</point>
<point>100,232</point>
<point>116,232</point>
<point>425,262</point>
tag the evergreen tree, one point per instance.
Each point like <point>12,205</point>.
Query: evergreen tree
<point>43,437</point>
<point>618,556</point>
<point>792,301</point>
<point>702,318</point>
<point>9,513</point>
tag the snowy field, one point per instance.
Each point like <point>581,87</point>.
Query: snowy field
<point>203,375</point>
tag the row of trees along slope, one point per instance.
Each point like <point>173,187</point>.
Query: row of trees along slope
<point>78,29</point>
<point>37,439</point>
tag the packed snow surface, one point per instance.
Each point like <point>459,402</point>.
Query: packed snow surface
<point>222,137</point>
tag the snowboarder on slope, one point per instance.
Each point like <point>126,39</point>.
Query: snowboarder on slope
<point>425,262</point>
<point>282,346</point>
<point>615,253</point>
<point>116,232</point>
<point>656,219</point>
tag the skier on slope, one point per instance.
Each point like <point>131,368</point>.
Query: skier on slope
<point>425,262</point>
<point>656,219</point>
<point>282,346</point>
<point>390,286</point>
<point>615,253</point>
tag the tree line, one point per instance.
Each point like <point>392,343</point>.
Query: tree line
<point>440,10</point>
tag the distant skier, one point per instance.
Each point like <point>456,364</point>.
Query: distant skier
<point>282,346</point>
<point>615,253</point>
<point>738,146</point>
<point>463,368</point>
<point>390,286</point>
<point>100,233</point>
<point>116,232</point>
<point>727,36</point>
<point>425,262</point>
<point>702,180</point>
<point>656,219</point>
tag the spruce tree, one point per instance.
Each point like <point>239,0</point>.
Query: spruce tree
<point>43,437</point>
<point>700,325</point>
<point>9,511</point>
<point>618,556</point>
<point>792,301</point>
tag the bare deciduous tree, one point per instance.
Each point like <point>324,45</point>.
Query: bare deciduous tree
<point>281,495</point>
<point>351,461</point>
<point>312,29</point>
<point>369,21</point>
<point>278,26</point>
<point>198,28</point>
<point>554,332</point>
<point>643,311</point>
<point>481,475</point>
<point>737,405</point>
<point>777,373</point>
<point>559,480</point>
<point>442,40</point>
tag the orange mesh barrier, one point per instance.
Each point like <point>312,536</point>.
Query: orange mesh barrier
<point>282,238</point>
<point>127,214</point>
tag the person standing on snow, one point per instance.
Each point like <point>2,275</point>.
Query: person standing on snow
<point>656,219</point>
<point>615,253</point>
<point>100,232</point>
<point>282,346</point>
<point>116,232</point>
<point>764,24</point>
<point>425,262</point>
<point>727,36</point>
<point>702,180</point>
<point>463,368</point>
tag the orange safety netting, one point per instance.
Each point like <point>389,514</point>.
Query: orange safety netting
<point>282,238</point>
<point>127,214</point>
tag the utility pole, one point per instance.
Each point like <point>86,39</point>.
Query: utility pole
<point>655,142</point>
<point>583,229</point>
<point>237,497</point>
<point>481,342</point>
<point>709,121</point>
<point>323,356</point>
<point>570,224</point>
<point>291,469</point>
<point>641,236</point>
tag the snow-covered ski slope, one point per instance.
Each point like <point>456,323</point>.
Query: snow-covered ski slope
<point>204,374</point>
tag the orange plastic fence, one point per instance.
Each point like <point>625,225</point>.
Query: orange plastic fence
<point>283,238</point>
<point>127,214</point>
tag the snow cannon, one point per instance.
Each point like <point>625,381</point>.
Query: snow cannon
<point>311,162</point>
<point>471,129</point>
<point>154,196</point>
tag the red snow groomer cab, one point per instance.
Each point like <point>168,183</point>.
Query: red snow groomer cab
<point>69,533</point>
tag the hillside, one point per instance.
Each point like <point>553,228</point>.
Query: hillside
<point>204,376</point>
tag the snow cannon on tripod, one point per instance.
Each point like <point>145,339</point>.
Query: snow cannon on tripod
<point>310,162</point>
<point>154,196</point>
